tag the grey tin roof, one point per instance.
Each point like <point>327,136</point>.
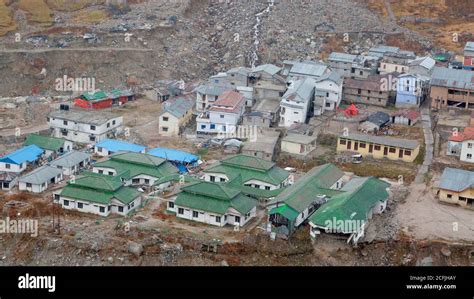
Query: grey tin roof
<point>452,78</point>
<point>456,179</point>
<point>70,159</point>
<point>41,175</point>
<point>389,141</point>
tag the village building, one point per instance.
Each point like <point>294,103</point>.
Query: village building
<point>396,62</point>
<point>102,99</point>
<point>370,91</point>
<point>379,147</point>
<point>19,160</point>
<point>51,146</point>
<point>412,90</point>
<point>349,212</point>
<point>250,171</point>
<point>381,50</point>
<point>296,104</point>
<point>109,147</point>
<point>292,207</point>
<point>135,169</point>
<point>468,62</point>
<point>298,145</point>
<point>422,66</point>
<point>295,69</point>
<point>8,180</point>
<point>98,194</point>
<point>39,179</point>
<point>353,66</point>
<point>213,203</point>
<point>72,162</point>
<point>451,88</point>
<point>256,119</point>
<point>461,144</point>
<point>457,187</point>
<point>269,110</point>
<point>267,90</point>
<point>175,115</point>
<point>407,117</point>
<point>180,159</point>
<point>267,73</point>
<point>223,116</point>
<point>264,147</point>
<point>328,93</point>
<point>375,122</point>
<point>206,95</point>
<point>84,126</point>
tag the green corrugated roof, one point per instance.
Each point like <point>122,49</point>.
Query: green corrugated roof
<point>316,182</point>
<point>214,198</point>
<point>138,158</point>
<point>128,169</point>
<point>44,142</point>
<point>286,211</point>
<point>250,168</point>
<point>352,205</point>
<point>99,95</point>
<point>98,182</point>
<point>175,178</point>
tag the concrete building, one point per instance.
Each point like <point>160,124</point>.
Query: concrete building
<point>422,66</point>
<point>264,147</point>
<point>328,93</point>
<point>84,126</point>
<point>18,161</point>
<point>461,144</point>
<point>294,69</point>
<point>353,66</point>
<point>72,162</point>
<point>176,114</point>
<point>223,116</point>
<point>457,187</point>
<point>468,63</point>
<point>39,179</point>
<point>296,104</point>
<point>379,147</point>
<point>269,109</point>
<point>412,90</point>
<point>370,91</point>
<point>206,95</point>
<point>299,146</point>
<point>452,88</point>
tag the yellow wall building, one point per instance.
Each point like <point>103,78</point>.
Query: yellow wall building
<point>457,187</point>
<point>177,112</point>
<point>380,147</point>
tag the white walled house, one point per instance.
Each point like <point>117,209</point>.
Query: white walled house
<point>84,126</point>
<point>39,179</point>
<point>223,116</point>
<point>295,104</point>
<point>72,162</point>
<point>98,194</point>
<point>412,90</point>
<point>18,160</point>
<point>330,87</point>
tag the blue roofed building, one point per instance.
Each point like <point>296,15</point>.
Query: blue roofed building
<point>179,158</point>
<point>108,147</point>
<point>18,160</point>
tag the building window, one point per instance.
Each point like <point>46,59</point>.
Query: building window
<point>92,138</point>
<point>56,197</point>
<point>80,205</point>
<point>65,122</point>
<point>359,91</point>
<point>392,150</point>
<point>342,142</point>
<point>449,195</point>
<point>469,145</point>
<point>113,122</point>
<point>111,173</point>
<point>212,178</point>
<point>171,205</point>
<point>92,128</point>
<point>135,181</point>
<point>8,166</point>
<point>164,129</point>
<point>102,209</point>
<point>213,126</point>
<point>267,187</point>
<point>257,186</point>
<point>407,153</point>
<point>237,219</point>
<point>147,181</point>
<point>469,156</point>
<point>180,211</point>
<point>221,116</point>
<point>377,147</point>
<point>222,180</point>
<point>362,145</point>
<point>218,219</point>
<point>101,171</point>
<point>195,214</point>
<point>165,118</point>
<point>66,203</point>
<point>28,185</point>
<point>203,127</point>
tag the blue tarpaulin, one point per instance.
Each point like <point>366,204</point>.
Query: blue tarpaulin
<point>28,153</point>
<point>174,155</point>
<point>118,145</point>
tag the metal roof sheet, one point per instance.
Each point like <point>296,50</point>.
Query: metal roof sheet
<point>452,78</point>
<point>390,141</point>
<point>70,159</point>
<point>456,179</point>
<point>119,145</point>
<point>41,175</point>
<point>28,153</point>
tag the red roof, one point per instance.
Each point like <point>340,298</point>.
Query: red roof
<point>230,101</point>
<point>468,134</point>
<point>408,113</point>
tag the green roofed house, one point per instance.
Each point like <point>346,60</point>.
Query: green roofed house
<point>217,204</point>
<point>136,168</point>
<point>296,203</point>
<point>257,177</point>
<point>349,212</point>
<point>98,194</point>
<point>52,146</point>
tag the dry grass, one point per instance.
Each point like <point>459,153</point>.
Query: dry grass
<point>38,12</point>
<point>6,19</point>
<point>382,169</point>
<point>91,17</point>
<point>68,5</point>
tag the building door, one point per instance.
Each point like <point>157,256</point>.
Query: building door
<point>385,151</point>
<point>349,144</point>
<point>400,153</point>
<point>371,148</point>
<point>356,146</point>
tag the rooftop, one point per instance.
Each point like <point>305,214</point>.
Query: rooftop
<point>299,138</point>
<point>389,141</point>
<point>179,106</point>
<point>41,175</point>
<point>45,142</point>
<point>469,47</point>
<point>83,116</point>
<point>230,101</point>
<point>114,145</point>
<point>342,57</point>
<point>452,78</point>
<point>28,153</point>
<point>70,159</point>
<point>457,180</point>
